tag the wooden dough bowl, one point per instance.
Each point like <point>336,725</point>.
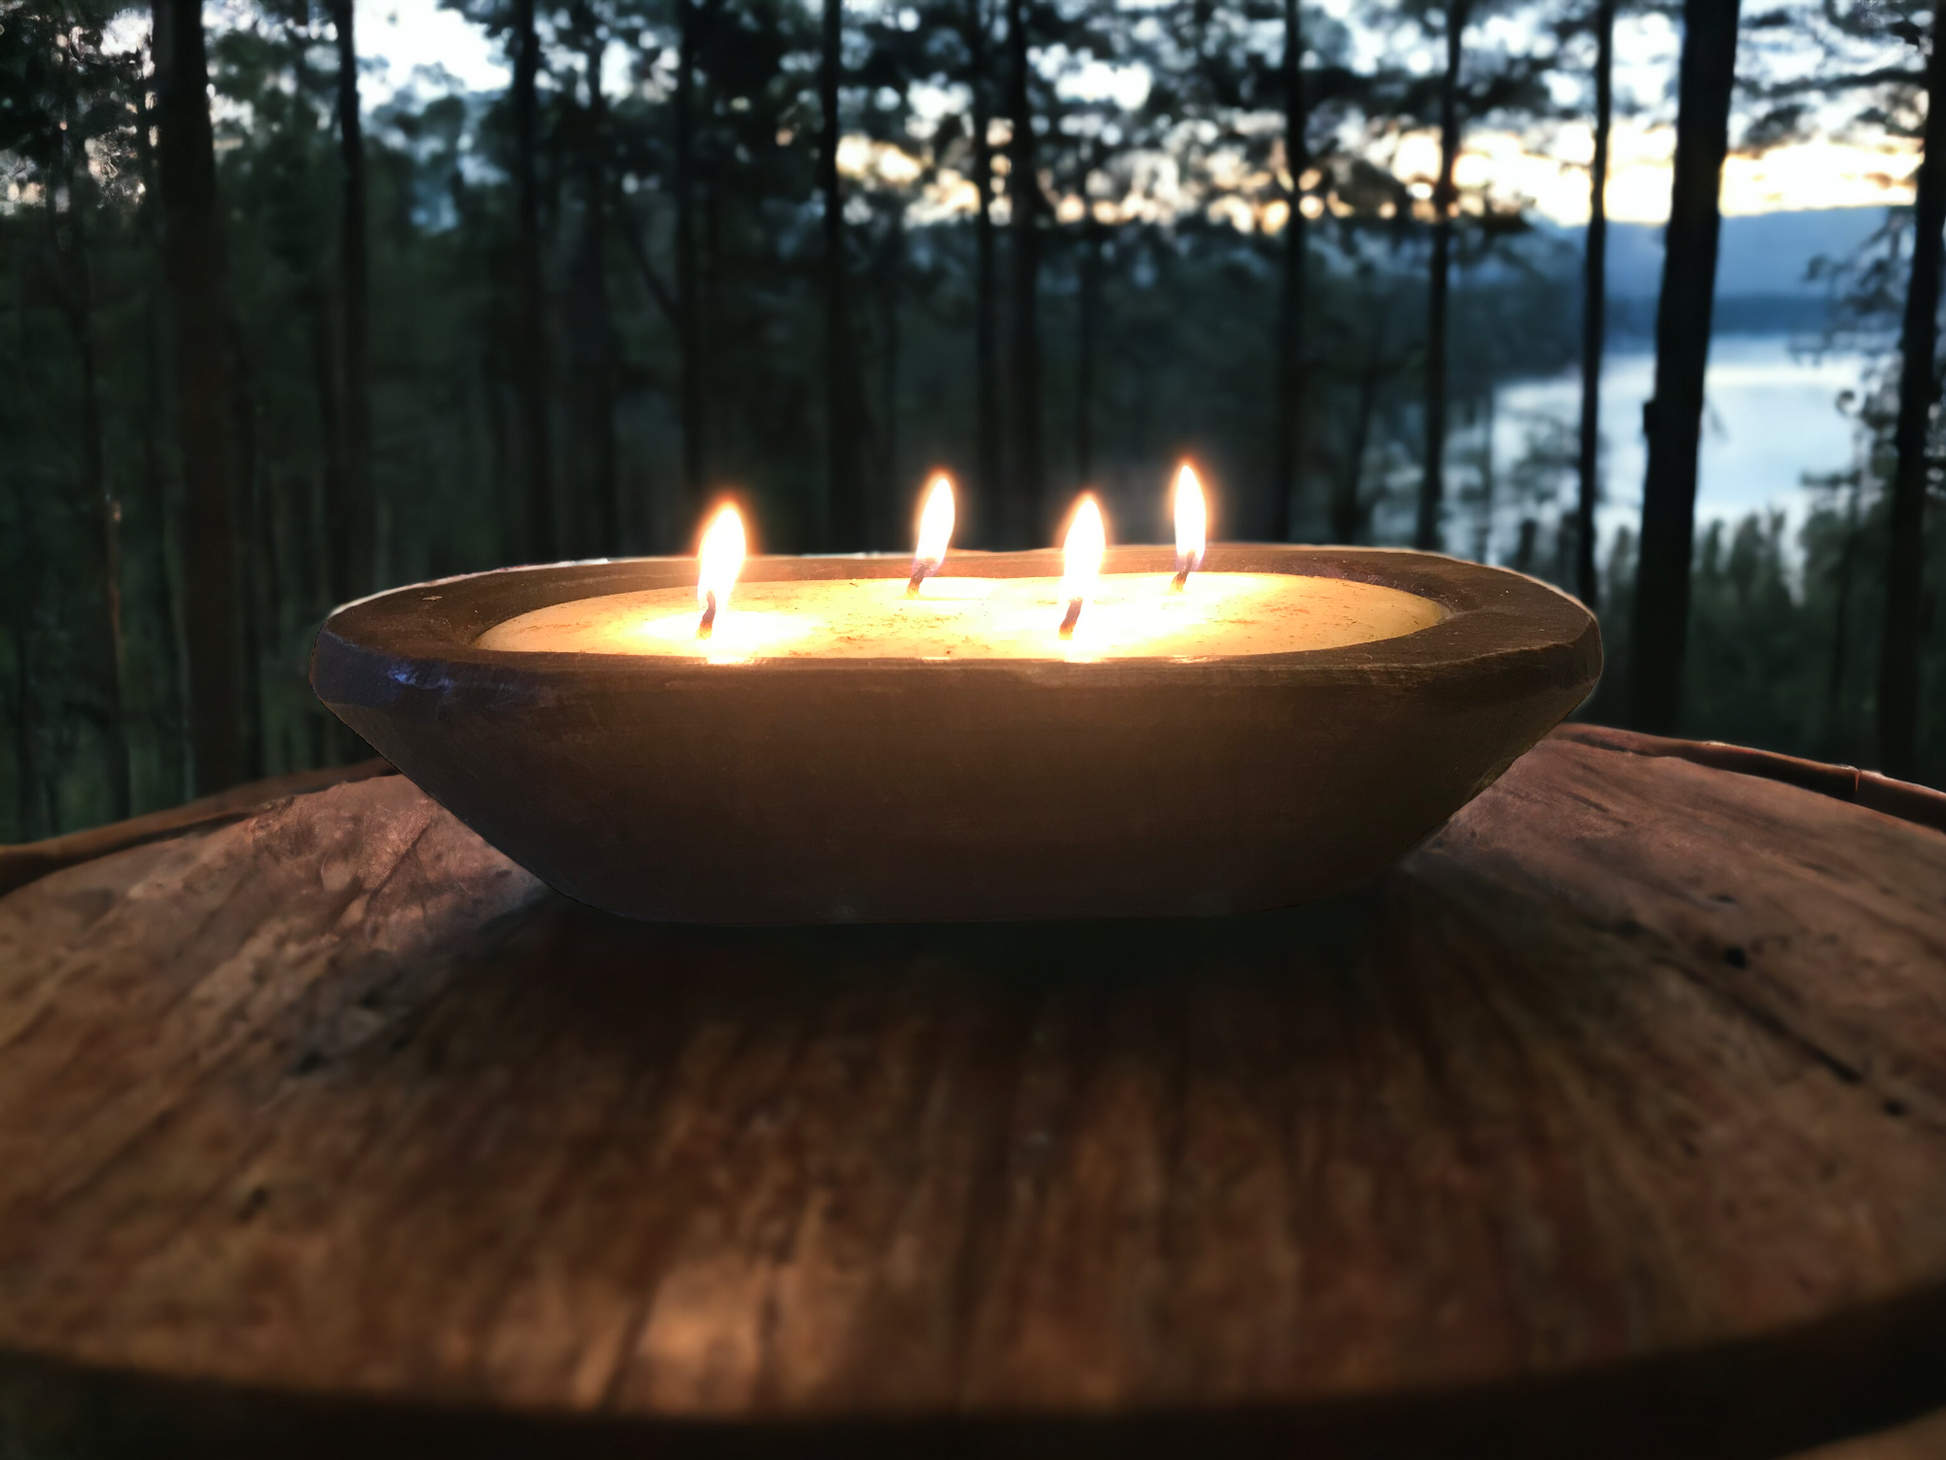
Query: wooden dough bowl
<point>867,790</point>
<point>1609,1124</point>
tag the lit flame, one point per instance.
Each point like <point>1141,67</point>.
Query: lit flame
<point>935,532</point>
<point>1192,524</point>
<point>719,560</point>
<point>1081,561</point>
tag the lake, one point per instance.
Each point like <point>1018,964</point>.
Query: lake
<point>1771,418</point>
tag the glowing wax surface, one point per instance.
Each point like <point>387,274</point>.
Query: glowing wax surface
<point>1132,615</point>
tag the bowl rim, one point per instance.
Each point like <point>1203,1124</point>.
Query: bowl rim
<point>396,645</point>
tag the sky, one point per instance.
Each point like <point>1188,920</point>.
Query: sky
<point>397,37</point>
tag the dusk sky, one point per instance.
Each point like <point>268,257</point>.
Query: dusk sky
<point>398,37</point>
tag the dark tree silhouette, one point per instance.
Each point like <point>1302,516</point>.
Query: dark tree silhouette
<point>1898,665</point>
<point>1674,416</point>
<point>691,19</point>
<point>1029,485</point>
<point>889,296</point>
<point>1445,195</point>
<point>75,291</point>
<point>23,593</point>
<point>207,399</point>
<point>1087,330</point>
<point>1350,512</point>
<point>530,325</point>
<point>1594,305</point>
<point>352,522</point>
<point>163,604</point>
<point>986,293</point>
<point>1288,419</point>
<point>591,330</point>
<point>846,528</point>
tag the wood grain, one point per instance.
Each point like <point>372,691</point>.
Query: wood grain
<point>23,862</point>
<point>1612,1122</point>
<point>1919,804</point>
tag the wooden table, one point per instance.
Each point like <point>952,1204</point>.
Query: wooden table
<point>1611,1122</point>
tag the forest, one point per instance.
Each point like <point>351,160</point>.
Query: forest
<point>272,339</point>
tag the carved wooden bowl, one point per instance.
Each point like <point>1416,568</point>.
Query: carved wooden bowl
<point>896,790</point>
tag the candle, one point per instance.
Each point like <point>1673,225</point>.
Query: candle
<point>1084,616</point>
<point>835,751</point>
<point>958,618</point>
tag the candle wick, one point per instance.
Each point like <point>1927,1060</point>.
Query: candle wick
<point>921,570</point>
<point>708,625</point>
<point>1182,577</point>
<point>1073,616</point>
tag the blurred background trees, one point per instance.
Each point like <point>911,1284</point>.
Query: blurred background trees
<point>273,336</point>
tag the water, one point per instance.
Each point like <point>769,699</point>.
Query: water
<point>1771,418</point>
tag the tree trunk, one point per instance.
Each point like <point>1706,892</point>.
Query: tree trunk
<point>1898,664</point>
<point>1432,487</point>
<point>109,524</point>
<point>310,552</point>
<point>1289,416</point>
<point>324,565</point>
<point>106,564</point>
<point>1347,512</point>
<point>283,600</point>
<point>1489,413</point>
<point>1088,294</point>
<point>354,525</point>
<point>167,604</point>
<point>712,272</point>
<point>1594,305</point>
<point>845,528</point>
<point>593,332</point>
<point>258,628</point>
<point>986,300</point>
<point>1024,196</point>
<point>1674,416</point>
<point>1530,532</point>
<point>194,258</point>
<point>891,281</point>
<point>530,325</point>
<point>1834,687</point>
<point>324,388</point>
<point>689,302</point>
<point>23,584</point>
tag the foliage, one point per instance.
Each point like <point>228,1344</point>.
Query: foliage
<point>1178,183</point>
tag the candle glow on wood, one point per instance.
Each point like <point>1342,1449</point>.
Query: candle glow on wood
<point>1192,525</point>
<point>935,533</point>
<point>1081,562</point>
<point>719,560</point>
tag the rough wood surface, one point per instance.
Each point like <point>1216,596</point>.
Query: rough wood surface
<point>1919,804</point>
<point>24,862</point>
<point>1613,1121</point>
<point>1923,1439</point>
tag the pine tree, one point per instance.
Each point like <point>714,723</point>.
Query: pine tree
<point>1675,414</point>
